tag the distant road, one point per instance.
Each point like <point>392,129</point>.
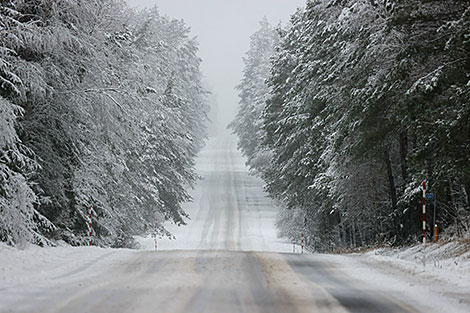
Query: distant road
<point>230,210</point>
<point>212,266</point>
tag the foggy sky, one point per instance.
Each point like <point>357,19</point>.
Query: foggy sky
<point>223,28</point>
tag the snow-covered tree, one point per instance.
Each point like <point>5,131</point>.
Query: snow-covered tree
<point>367,99</point>
<point>20,222</point>
<point>253,92</point>
<point>112,112</point>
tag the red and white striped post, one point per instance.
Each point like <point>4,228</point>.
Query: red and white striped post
<point>89,226</point>
<point>302,243</point>
<point>424,212</point>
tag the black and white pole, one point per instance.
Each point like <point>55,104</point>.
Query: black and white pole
<point>302,243</point>
<point>424,212</point>
<point>89,226</point>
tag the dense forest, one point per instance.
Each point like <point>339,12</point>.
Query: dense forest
<point>347,110</point>
<point>100,105</point>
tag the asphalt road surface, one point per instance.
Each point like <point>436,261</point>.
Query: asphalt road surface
<point>227,259</point>
<point>216,281</point>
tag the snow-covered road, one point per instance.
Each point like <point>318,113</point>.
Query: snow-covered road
<point>227,259</point>
<point>230,210</point>
<point>105,280</point>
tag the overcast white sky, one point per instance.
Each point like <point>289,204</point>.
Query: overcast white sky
<point>223,28</point>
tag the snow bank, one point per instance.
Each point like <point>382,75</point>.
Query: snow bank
<point>18,268</point>
<point>440,284</point>
<point>448,262</point>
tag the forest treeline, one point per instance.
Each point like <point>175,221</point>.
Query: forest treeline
<point>99,105</point>
<point>348,109</point>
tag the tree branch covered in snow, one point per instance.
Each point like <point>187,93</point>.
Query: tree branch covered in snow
<point>101,105</point>
<point>366,99</point>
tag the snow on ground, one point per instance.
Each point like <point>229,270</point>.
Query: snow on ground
<point>442,285</point>
<point>51,264</point>
<point>27,276</point>
<point>442,281</point>
<point>35,269</point>
<point>447,261</point>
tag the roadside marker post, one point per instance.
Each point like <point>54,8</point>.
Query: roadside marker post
<point>424,212</point>
<point>89,226</point>
<point>155,242</point>
<point>302,242</point>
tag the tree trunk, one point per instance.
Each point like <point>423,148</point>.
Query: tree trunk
<point>378,237</point>
<point>403,155</point>
<point>455,208</point>
<point>391,180</point>
<point>354,234</point>
<point>466,191</point>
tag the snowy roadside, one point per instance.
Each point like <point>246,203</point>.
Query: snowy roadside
<point>447,262</point>
<point>442,284</point>
<point>21,269</point>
